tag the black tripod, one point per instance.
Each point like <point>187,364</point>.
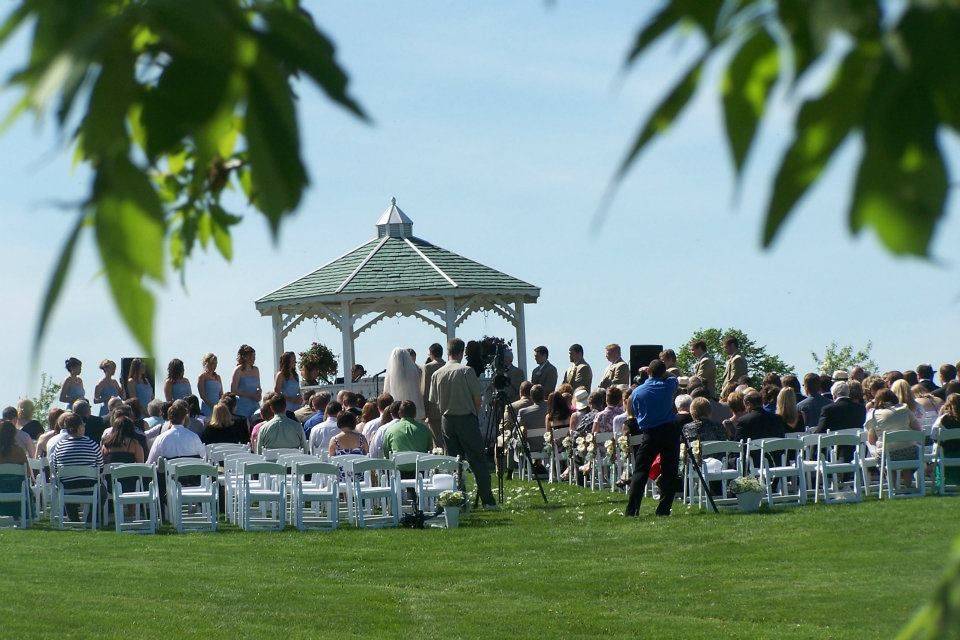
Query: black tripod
<point>688,453</point>
<point>499,400</point>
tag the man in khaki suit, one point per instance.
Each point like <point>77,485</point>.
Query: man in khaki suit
<point>736,366</point>
<point>706,367</point>
<point>434,361</point>
<point>617,372</point>
<point>579,375</point>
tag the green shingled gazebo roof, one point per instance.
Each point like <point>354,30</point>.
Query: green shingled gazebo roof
<point>397,263</point>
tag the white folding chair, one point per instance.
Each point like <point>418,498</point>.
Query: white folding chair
<point>40,485</point>
<point>142,499</point>
<point>720,463</point>
<point>942,461</point>
<point>322,492</point>
<point>406,458</point>
<point>375,489</point>
<point>232,465</point>
<point>87,497</point>
<point>868,460</point>
<point>809,461</point>
<point>271,455</point>
<point>831,467</point>
<point>16,474</point>
<point>775,464</point>
<point>268,492</point>
<point>601,472</point>
<point>185,501</point>
<point>560,458</point>
<point>434,475</point>
<point>891,470</point>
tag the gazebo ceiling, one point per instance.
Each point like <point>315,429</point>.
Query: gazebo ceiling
<point>396,264</point>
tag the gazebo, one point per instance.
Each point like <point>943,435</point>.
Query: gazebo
<point>397,274</point>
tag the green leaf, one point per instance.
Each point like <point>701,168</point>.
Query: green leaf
<point>55,286</point>
<point>927,32</point>
<point>220,223</point>
<point>662,22</point>
<point>204,228</point>
<point>746,89</point>
<point>134,302</point>
<point>13,21</point>
<point>273,142</point>
<point>104,126</point>
<point>822,125</point>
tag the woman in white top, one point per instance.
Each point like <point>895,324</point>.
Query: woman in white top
<point>403,380</point>
<point>891,415</point>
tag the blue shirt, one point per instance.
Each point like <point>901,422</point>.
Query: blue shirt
<point>653,402</point>
<point>313,421</point>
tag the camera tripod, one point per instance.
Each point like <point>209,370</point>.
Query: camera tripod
<point>688,453</point>
<point>499,404</point>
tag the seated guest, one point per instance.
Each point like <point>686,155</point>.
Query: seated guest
<point>155,413</point>
<point>522,402</point>
<point>768,394</point>
<point>842,413</point>
<point>121,444</point>
<point>124,411</point>
<point>222,427</point>
<point>319,404</point>
<point>757,422</point>
<point>719,411</point>
<point>682,403</point>
<point>321,434</point>
<point>10,453</point>
<point>701,427</point>
<point>280,432</point>
<point>305,412</point>
<point>558,411</point>
<point>950,419</point>
<point>901,389</point>
<point>194,423</point>
<point>53,429</point>
<point>73,448</point>
<point>407,434</point>
<point>383,405</point>
<point>177,441</point>
<point>929,403</point>
<point>911,377</point>
<point>25,421</point>
<point>620,421</point>
<point>791,381</point>
<point>603,423</point>
<point>889,414</point>
<point>737,409</point>
<point>856,392</point>
<point>534,417</point>
<point>787,409</point>
<point>948,373</point>
<point>348,440</point>
<point>22,439</point>
<point>588,406</point>
<point>376,443</point>
<point>368,412</point>
<point>350,403</point>
<point>266,413</point>
<point>925,377</point>
<point>93,426</point>
<point>857,373</point>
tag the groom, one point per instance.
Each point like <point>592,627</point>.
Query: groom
<point>456,391</point>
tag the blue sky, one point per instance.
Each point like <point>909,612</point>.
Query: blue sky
<point>497,127</point>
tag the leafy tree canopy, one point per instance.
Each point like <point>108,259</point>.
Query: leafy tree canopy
<point>759,362</point>
<point>836,357</point>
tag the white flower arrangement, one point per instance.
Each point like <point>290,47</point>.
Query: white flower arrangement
<point>610,447</point>
<point>548,436</point>
<point>623,444</point>
<point>588,438</point>
<point>567,442</point>
<point>745,484</point>
<point>437,451</point>
<point>450,499</point>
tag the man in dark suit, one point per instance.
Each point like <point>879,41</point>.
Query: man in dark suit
<point>948,373</point>
<point>842,413</point>
<point>94,426</point>
<point>434,362</point>
<point>544,374</point>
<point>756,422</point>
<point>534,416</point>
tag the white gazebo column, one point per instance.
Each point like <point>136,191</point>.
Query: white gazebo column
<point>346,331</point>
<point>521,337</point>
<point>451,318</point>
<point>277,336</point>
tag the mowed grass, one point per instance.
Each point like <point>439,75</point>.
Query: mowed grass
<point>573,569</point>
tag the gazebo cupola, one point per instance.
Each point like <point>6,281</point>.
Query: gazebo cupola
<point>397,274</point>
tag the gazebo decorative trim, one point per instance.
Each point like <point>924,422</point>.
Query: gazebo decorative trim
<point>397,274</point>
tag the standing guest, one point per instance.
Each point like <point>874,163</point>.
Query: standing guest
<point>578,375</point>
<point>107,388</point>
<point>950,419</point>
<point>705,367</point>
<point>73,448</point>
<point>456,390</point>
<point>603,423</point>
<point>347,440</point>
<point>434,362</point>
<point>222,427</point>
<point>384,401</point>
<point>515,376</point>
<point>948,373</point>
<point>736,366</point>
<point>177,441</point>
<point>53,429</point>
<point>925,377</point>
<point>72,387</point>
<point>93,426</point>
<point>280,432</point>
<point>121,445</point>
<point>321,433</point>
<point>266,414</point>
<point>287,382</point>
<point>842,413</point>
<point>25,421</point>
<point>406,434</point>
<point>544,374</point>
<point>138,385</point>
<point>659,435</point>
<point>23,440</point>
<point>376,442</point>
<point>701,427</point>
<point>209,385</point>
<point>176,386</point>
<point>786,408</point>
<point>617,372</point>
<point>811,406</point>
<point>246,382</point>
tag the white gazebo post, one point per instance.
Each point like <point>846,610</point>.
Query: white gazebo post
<point>521,337</point>
<point>451,317</point>
<point>277,336</point>
<point>346,330</point>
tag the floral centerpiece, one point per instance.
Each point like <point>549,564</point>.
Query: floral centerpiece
<point>749,491</point>
<point>451,502</point>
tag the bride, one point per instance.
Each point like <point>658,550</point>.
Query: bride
<point>403,380</point>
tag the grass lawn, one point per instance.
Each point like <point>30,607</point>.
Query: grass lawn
<point>575,569</point>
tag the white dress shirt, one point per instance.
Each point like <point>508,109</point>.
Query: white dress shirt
<point>376,445</point>
<point>177,442</point>
<point>371,427</point>
<point>321,434</point>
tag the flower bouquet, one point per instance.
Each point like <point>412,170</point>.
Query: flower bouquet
<point>451,501</point>
<point>749,491</point>
<point>548,445</point>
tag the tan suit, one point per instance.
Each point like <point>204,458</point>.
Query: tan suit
<point>433,411</point>
<point>706,370</point>
<point>579,375</point>
<point>735,368</point>
<point>616,374</point>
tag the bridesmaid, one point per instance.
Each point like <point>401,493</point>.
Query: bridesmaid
<point>72,387</point>
<point>138,385</point>
<point>287,383</point>
<point>107,387</point>
<point>209,385</point>
<point>176,387</point>
<point>246,382</point>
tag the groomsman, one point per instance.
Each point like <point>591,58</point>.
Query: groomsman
<point>544,374</point>
<point>706,367</point>
<point>736,366</point>
<point>617,372</point>
<point>579,375</point>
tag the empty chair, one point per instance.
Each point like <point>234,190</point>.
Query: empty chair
<point>407,459</point>
<point>831,466</point>
<point>376,489</point>
<point>321,492</point>
<point>776,464</point>
<point>434,475</point>
<point>868,460</point>
<point>809,460</point>
<point>232,465</point>
<point>901,451</point>
<point>536,455</point>
<point>15,497</point>
<point>140,494</point>
<point>76,486</point>
<point>561,457</point>
<point>271,455</point>
<point>601,469</point>
<point>268,492</point>
<point>40,485</point>
<point>943,458</point>
<point>192,507</point>
<point>721,463</point>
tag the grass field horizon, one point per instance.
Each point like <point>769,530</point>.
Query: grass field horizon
<point>572,569</point>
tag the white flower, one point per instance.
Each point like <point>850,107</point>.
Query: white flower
<point>591,447</point>
<point>548,436</point>
<point>437,451</point>
<point>580,440</point>
<point>589,437</point>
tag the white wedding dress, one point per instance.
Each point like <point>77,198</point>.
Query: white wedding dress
<point>403,380</point>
